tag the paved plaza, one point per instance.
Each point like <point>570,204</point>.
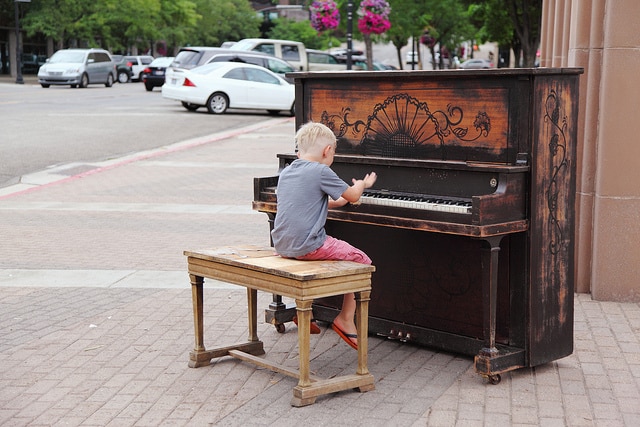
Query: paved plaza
<point>96,317</point>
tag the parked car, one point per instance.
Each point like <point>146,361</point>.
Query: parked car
<point>476,63</point>
<point>294,52</point>
<point>78,67</point>
<point>377,66</point>
<point>269,62</point>
<point>123,70</point>
<point>193,56</point>
<point>190,57</point>
<point>341,54</point>
<point>153,74</point>
<point>31,63</point>
<point>222,85</point>
<point>412,57</point>
<point>323,61</point>
<point>137,64</point>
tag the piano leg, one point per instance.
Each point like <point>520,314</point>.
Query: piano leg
<point>279,313</point>
<point>489,258</point>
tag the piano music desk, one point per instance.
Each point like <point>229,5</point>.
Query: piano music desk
<point>260,269</point>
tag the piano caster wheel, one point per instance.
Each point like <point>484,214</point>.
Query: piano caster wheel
<point>494,379</point>
<point>280,327</point>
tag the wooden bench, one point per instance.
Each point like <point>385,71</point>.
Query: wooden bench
<point>260,269</point>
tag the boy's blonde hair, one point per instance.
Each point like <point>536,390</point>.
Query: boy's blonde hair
<point>310,136</point>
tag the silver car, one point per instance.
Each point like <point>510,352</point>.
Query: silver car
<point>78,67</point>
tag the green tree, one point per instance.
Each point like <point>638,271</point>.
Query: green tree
<point>449,25</point>
<point>408,19</point>
<point>178,21</point>
<point>122,25</point>
<point>125,24</point>
<point>58,19</point>
<point>227,20</point>
<point>510,23</point>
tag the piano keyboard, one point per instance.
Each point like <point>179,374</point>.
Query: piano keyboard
<point>382,198</point>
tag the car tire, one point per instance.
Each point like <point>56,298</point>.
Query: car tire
<point>123,77</point>
<point>148,87</point>
<point>190,107</point>
<point>44,85</point>
<point>217,103</point>
<point>84,81</point>
<point>109,81</point>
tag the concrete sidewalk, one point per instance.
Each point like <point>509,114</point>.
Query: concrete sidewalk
<point>96,321</point>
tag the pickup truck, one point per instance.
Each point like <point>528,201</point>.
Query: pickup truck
<point>294,53</point>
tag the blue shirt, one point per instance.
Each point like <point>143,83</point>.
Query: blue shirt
<point>303,203</point>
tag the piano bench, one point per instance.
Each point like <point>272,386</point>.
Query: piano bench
<point>260,269</point>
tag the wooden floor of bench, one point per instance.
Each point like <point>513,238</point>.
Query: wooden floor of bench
<point>261,269</point>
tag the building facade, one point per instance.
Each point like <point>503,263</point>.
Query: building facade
<point>601,36</point>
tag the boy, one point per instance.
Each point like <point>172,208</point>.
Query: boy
<point>307,188</point>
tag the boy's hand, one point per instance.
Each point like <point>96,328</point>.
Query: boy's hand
<point>368,180</point>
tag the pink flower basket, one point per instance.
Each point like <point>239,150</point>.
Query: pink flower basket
<point>374,16</point>
<point>324,15</point>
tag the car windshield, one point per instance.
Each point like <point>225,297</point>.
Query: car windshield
<point>67,56</point>
<point>279,67</point>
<point>187,57</point>
<point>161,62</point>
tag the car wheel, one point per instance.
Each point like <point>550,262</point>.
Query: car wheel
<point>44,85</point>
<point>148,87</point>
<point>190,107</point>
<point>123,77</point>
<point>109,82</point>
<point>74,86</point>
<point>217,103</point>
<point>84,81</point>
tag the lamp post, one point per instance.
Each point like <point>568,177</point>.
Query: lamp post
<point>349,33</point>
<point>18,50</point>
<point>19,79</point>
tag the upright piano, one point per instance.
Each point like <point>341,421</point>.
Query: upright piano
<point>471,222</point>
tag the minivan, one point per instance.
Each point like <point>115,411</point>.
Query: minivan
<point>78,67</point>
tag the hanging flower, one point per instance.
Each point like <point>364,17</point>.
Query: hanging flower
<point>374,16</point>
<point>324,15</point>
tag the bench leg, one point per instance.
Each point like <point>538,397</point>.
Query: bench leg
<point>201,356</point>
<point>198,322</point>
<point>362,323</point>
<point>304,310</point>
<point>306,391</point>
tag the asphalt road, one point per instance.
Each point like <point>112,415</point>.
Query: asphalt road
<point>40,128</point>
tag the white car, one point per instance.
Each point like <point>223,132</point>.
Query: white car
<point>476,63</point>
<point>222,85</point>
